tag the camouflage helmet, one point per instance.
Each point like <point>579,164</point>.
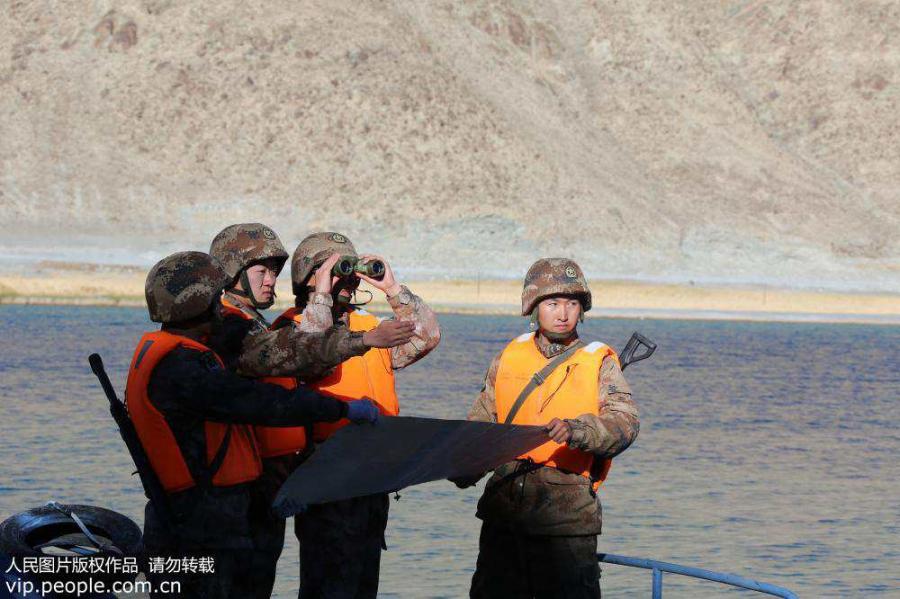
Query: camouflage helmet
<point>239,246</point>
<point>554,276</point>
<point>183,285</point>
<point>314,250</point>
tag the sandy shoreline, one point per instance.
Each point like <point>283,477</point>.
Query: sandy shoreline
<point>76,284</point>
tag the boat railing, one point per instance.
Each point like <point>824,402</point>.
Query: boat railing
<point>657,568</point>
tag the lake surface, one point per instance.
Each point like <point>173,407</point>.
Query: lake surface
<point>767,450</point>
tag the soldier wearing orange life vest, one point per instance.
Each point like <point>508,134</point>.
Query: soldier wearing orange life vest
<point>541,515</point>
<point>193,418</point>
<point>341,542</point>
<point>253,256</point>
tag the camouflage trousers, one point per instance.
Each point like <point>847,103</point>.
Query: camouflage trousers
<point>340,548</point>
<point>517,566</point>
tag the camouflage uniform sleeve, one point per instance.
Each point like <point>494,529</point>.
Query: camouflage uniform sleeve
<point>617,425</point>
<point>411,308</point>
<point>485,407</point>
<point>317,313</point>
<point>288,351</point>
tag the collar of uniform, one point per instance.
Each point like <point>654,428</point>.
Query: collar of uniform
<point>551,348</point>
<point>250,311</point>
<point>189,333</point>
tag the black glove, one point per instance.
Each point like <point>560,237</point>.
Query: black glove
<point>362,410</point>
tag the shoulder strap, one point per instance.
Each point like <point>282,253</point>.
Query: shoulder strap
<point>218,458</point>
<point>539,377</point>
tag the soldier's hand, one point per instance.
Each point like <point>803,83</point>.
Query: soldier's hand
<point>325,281</point>
<point>389,333</point>
<point>559,430</point>
<point>387,283</point>
<point>362,410</point>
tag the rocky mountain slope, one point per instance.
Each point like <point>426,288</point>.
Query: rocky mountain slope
<point>735,141</point>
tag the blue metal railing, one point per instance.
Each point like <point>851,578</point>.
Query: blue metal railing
<point>659,567</point>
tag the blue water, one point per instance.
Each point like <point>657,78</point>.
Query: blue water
<point>768,450</point>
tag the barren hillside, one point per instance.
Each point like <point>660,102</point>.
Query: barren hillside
<point>738,141</point>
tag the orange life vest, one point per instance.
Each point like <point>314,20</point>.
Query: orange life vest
<point>273,441</point>
<point>369,375</point>
<point>570,391</point>
<point>229,309</point>
<point>276,441</point>
<point>241,462</point>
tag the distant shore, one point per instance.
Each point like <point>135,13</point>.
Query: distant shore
<point>57,283</point>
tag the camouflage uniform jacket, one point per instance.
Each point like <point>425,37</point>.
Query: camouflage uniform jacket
<point>546,500</point>
<point>249,348</point>
<point>409,307</point>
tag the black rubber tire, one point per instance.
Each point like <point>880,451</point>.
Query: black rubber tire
<point>20,533</point>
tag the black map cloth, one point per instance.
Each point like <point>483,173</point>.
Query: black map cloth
<point>398,452</point>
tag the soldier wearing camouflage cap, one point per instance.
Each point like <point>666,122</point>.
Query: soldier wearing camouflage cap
<point>312,252</point>
<point>186,407</point>
<point>341,542</point>
<point>183,286</point>
<point>253,256</point>
<point>545,502</point>
<point>554,276</point>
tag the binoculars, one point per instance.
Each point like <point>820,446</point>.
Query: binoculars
<point>347,265</point>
